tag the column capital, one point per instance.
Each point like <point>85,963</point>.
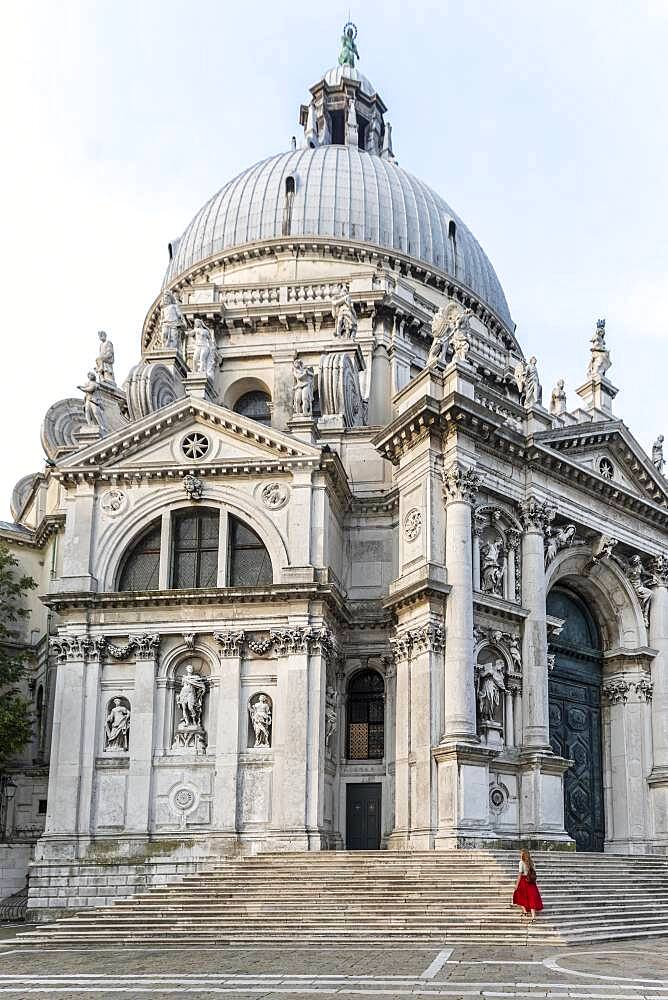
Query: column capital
<point>660,570</point>
<point>77,647</point>
<point>460,483</point>
<point>231,641</point>
<point>536,515</point>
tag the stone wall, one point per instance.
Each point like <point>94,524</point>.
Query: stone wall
<point>14,862</point>
<point>56,889</point>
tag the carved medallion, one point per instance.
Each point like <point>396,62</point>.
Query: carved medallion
<point>184,798</point>
<point>274,495</point>
<point>113,502</point>
<point>412,524</point>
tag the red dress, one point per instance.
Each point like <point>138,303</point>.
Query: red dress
<point>526,894</point>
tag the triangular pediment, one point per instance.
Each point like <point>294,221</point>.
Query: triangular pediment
<point>190,434</point>
<point>608,450</point>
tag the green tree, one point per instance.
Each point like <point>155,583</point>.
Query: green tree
<point>15,714</point>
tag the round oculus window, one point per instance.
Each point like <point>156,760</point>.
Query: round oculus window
<point>195,445</point>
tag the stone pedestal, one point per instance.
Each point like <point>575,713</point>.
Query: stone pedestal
<point>598,393</point>
<point>200,387</point>
<point>463,795</point>
<point>303,428</point>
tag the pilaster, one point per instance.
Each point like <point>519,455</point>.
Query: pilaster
<point>226,777</point>
<point>142,708</point>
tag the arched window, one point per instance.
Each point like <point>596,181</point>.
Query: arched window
<point>452,236</point>
<point>287,207</point>
<point>256,405</point>
<point>141,566</point>
<point>366,716</point>
<point>249,562</point>
<point>195,548</point>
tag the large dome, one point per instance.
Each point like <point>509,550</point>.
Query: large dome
<point>340,191</point>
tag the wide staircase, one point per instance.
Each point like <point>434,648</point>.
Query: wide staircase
<point>381,898</point>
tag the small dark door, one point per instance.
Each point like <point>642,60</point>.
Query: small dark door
<point>363,817</point>
<point>575,719</point>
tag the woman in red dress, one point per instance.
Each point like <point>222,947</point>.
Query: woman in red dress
<point>526,892</point>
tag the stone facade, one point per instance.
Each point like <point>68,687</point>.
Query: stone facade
<point>309,545</point>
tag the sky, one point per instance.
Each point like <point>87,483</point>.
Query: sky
<point>543,125</point>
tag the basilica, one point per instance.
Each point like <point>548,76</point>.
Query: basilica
<point>330,569</point>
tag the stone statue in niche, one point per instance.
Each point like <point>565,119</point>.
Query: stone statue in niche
<point>558,399</point>
<point>637,574</point>
<point>557,539</point>
<point>491,567</point>
<point>117,726</point>
<point>658,460</point>
<point>204,357</point>
<point>172,323</point>
<point>344,314</point>
<point>490,686</point>
<point>190,700</point>
<point>330,725</point>
<point>528,382</point>
<point>515,653</point>
<point>599,362</point>
<point>104,363</point>
<point>93,411</point>
<point>302,401</point>
<point>259,710</point>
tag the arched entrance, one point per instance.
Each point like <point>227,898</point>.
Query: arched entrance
<point>575,717</point>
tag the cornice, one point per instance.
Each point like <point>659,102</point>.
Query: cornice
<point>617,436</point>
<point>223,597</point>
<point>341,249</point>
<point>427,415</point>
<point>608,490</point>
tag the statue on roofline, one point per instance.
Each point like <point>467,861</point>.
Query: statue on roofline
<point>348,53</point>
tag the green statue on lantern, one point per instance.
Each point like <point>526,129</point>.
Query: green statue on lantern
<point>349,51</point>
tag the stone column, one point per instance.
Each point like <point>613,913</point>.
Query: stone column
<point>62,820</point>
<point>321,647</point>
<point>227,732</point>
<point>536,516</point>
<point>380,389</point>
<point>402,744</point>
<point>289,784</point>
<point>426,680</point>
<point>460,485</point>
<point>658,639</point>
<point>142,710</point>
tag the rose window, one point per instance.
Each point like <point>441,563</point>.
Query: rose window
<point>195,445</point>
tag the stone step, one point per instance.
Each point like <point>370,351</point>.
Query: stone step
<point>350,898</point>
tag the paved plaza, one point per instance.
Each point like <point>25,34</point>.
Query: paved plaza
<point>615,971</point>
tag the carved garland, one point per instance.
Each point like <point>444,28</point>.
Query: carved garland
<point>282,641</point>
<point>83,647</point>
